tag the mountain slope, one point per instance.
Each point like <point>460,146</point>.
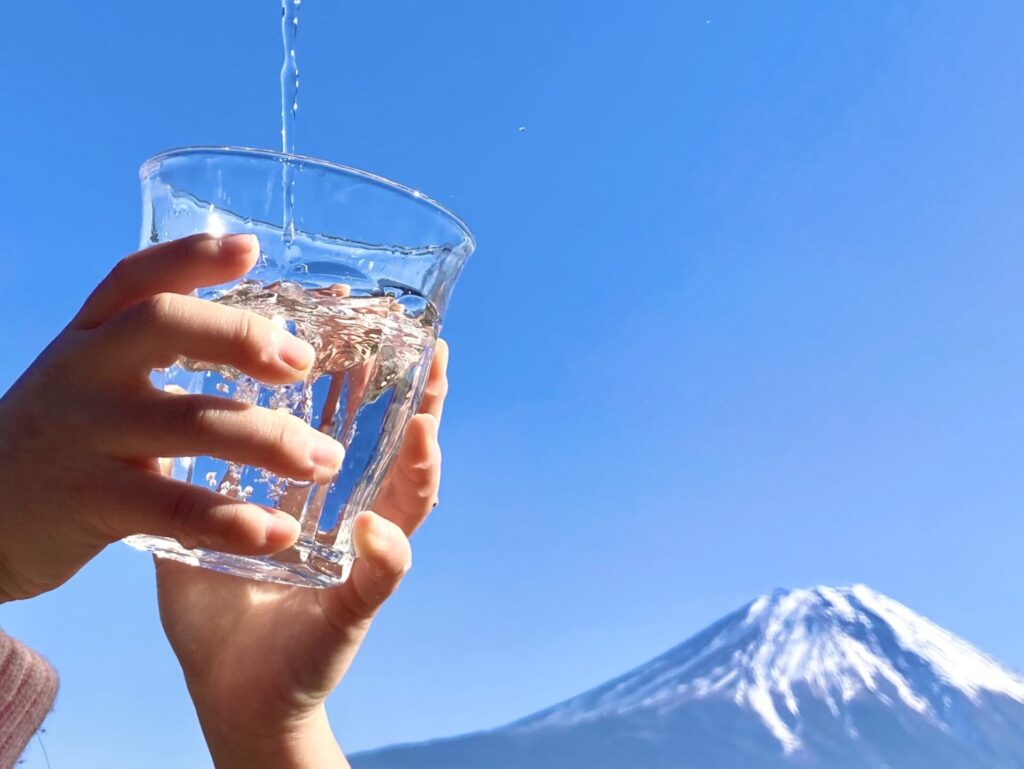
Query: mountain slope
<point>832,678</point>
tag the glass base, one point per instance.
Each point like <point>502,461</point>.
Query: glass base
<point>305,564</point>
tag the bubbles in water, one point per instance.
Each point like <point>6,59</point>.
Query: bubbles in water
<point>276,487</point>
<point>370,367</point>
<point>347,332</point>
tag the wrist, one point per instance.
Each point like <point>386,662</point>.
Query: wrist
<point>307,744</point>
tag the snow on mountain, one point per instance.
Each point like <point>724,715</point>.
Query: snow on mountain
<point>824,678</point>
<point>834,643</point>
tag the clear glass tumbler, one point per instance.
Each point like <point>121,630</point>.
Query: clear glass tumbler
<point>363,271</point>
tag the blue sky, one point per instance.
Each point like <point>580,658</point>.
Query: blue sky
<point>745,313</point>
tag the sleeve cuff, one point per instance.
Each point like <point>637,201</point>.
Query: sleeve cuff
<point>28,686</point>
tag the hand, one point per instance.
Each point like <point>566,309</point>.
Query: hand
<point>260,659</point>
<point>81,430</point>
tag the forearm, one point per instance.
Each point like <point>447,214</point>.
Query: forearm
<point>310,745</point>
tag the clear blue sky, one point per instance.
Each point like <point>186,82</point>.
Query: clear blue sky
<point>747,311</point>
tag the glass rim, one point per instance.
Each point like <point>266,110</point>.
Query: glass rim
<point>151,163</point>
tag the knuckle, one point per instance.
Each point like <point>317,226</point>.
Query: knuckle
<point>265,426</point>
<point>186,514</point>
<point>253,335</point>
<point>120,273</point>
<point>438,389</point>
<point>277,429</point>
<point>380,580</point>
<point>290,435</point>
<point>191,417</point>
<point>290,431</point>
<point>199,245</point>
<point>155,310</point>
<point>65,359</point>
<point>92,487</point>
<point>230,520</point>
<point>365,602</point>
<point>394,569</point>
<point>280,439</point>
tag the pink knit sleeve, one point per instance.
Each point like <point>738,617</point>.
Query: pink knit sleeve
<point>28,686</point>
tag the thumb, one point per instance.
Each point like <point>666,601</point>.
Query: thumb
<point>383,558</point>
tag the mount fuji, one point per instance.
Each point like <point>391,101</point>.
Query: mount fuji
<point>826,678</point>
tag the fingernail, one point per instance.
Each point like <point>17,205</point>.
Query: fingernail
<point>295,352</point>
<point>339,289</point>
<point>281,527</point>
<point>327,454</point>
<point>236,245</point>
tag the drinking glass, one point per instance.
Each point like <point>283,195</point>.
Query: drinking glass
<point>360,267</point>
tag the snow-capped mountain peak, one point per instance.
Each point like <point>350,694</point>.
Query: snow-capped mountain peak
<point>792,650</point>
<point>843,678</point>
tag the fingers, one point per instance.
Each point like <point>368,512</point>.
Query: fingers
<point>408,496</point>
<point>410,490</point>
<point>154,332</point>
<point>143,502</point>
<point>437,382</point>
<point>172,425</point>
<point>384,557</point>
<point>178,266</point>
